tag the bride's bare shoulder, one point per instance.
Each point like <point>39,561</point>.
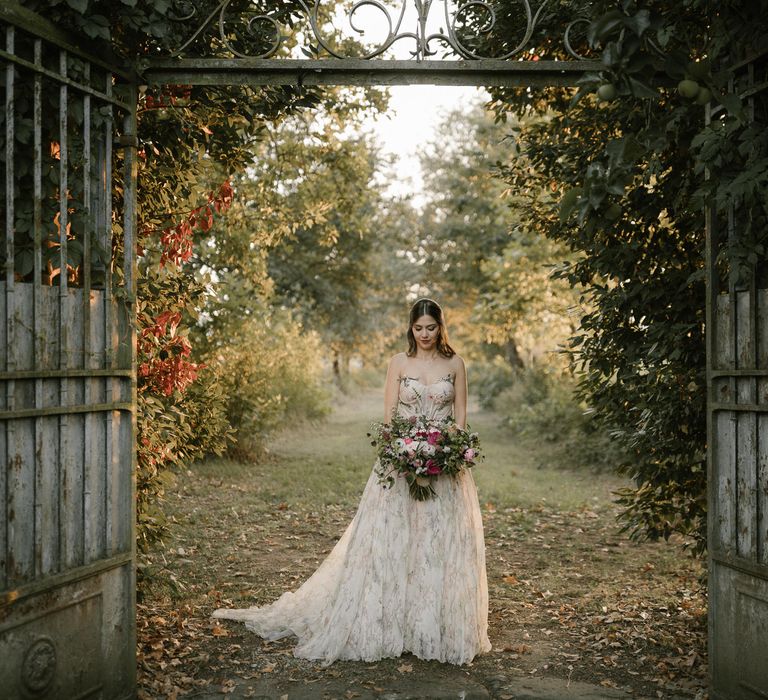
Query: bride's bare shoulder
<point>456,362</point>
<point>396,366</point>
<point>398,361</point>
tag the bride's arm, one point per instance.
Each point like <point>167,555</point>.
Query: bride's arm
<point>460,401</point>
<point>391,388</point>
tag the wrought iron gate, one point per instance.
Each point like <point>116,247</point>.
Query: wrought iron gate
<point>737,424</point>
<point>67,367</point>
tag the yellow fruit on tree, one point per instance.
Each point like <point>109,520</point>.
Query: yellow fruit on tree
<point>607,92</point>
<point>688,88</point>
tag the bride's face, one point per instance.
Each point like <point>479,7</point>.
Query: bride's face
<point>426,330</point>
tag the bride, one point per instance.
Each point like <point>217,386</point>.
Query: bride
<point>406,575</point>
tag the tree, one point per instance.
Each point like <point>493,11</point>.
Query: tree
<point>477,255</point>
<point>627,154</point>
<point>322,268</point>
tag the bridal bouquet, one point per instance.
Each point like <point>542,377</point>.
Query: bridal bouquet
<point>420,450</point>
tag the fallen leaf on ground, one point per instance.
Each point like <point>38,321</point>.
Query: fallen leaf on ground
<point>517,648</point>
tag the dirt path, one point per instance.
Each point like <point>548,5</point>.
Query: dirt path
<point>576,611</point>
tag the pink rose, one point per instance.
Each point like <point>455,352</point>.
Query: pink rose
<point>433,468</point>
<point>469,454</point>
<point>434,437</point>
<point>408,441</point>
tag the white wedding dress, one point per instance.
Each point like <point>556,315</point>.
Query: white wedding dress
<point>406,575</point>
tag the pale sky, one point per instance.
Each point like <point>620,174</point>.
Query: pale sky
<point>411,122</point>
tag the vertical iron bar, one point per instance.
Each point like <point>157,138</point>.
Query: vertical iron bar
<point>110,329</point>
<point>10,360</point>
<point>733,311</point>
<point>63,204</point>
<point>129,275</point>
<point>129,252</point>
<point>712,286</point>
<point>109,321</point>
<point>733,382</point>
<point>37,302</point>
<point>754,395</point>
<point>87,209</point>
<point>129,225</point>
<point>88,419</point>
<point>38,199</point>
<point>9,182</point>
<point>63,360</point>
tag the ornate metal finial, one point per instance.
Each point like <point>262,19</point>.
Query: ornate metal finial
<point>254,33</point>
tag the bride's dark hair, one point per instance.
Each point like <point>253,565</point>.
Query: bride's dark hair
<point>429,307</point>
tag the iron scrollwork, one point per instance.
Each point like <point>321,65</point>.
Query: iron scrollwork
<point>265,29</point>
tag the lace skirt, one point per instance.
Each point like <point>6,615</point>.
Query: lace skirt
<point>406,575</point>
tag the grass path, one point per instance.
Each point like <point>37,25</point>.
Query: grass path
<point>572,602</point>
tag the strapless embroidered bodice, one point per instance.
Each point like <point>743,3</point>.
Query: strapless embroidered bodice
<point>433,400</point>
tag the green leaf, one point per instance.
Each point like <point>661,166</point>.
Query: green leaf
<point>640,22</point>
<point>640,89</point>
<point>24,262</point>
<point>733,104</point>
<point>600,29</point>
<point>78,5</point>
<point>664,34</point>
<point>96,27</point>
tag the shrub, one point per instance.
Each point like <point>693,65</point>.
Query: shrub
<point>488,379</point>
<point>542,403</point>
<point>271,373</point>
<point>173,431</point>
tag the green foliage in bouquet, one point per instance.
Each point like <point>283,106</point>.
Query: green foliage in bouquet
<point>420,450</point>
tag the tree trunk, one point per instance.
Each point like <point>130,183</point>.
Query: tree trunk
<point>337,368</point>
<point>512,355</point>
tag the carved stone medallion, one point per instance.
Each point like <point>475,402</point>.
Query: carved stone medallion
<point>39,665</point>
